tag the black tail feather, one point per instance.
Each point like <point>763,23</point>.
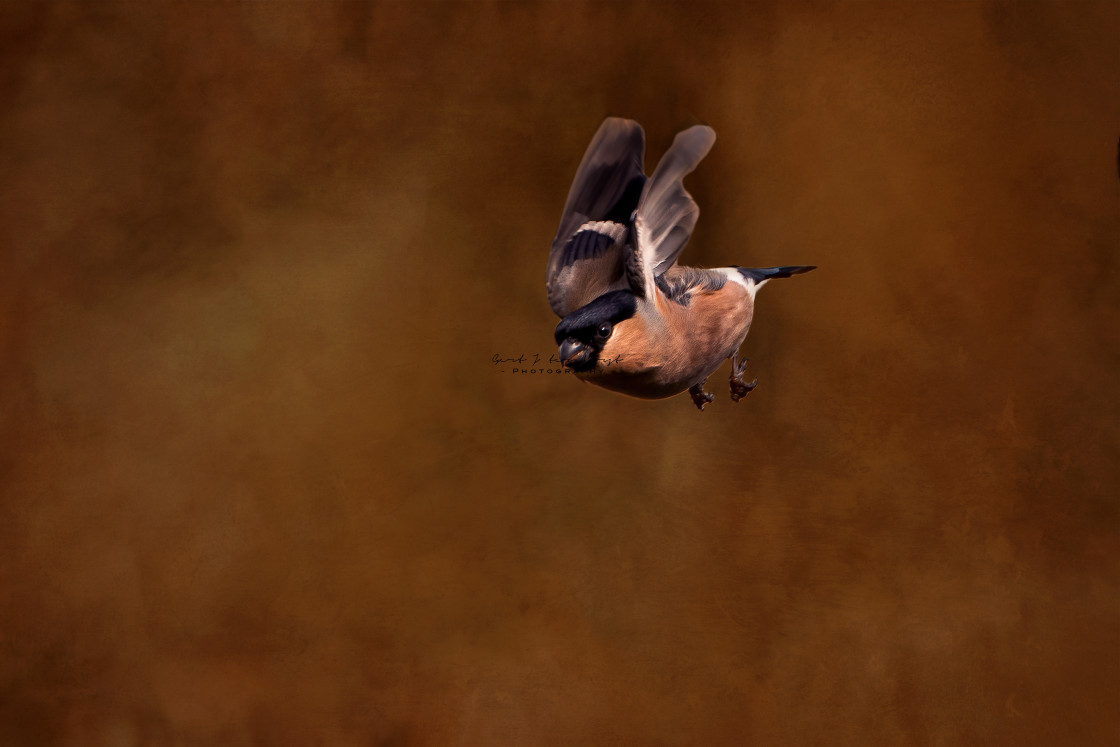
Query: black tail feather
<point>758,274</point>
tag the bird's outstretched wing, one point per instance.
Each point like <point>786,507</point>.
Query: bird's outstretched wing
<point>666,212</point>
<point>588,254</point>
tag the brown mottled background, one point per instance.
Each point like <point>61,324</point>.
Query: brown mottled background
<point>261,484</point>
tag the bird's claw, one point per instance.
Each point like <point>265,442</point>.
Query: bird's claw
<point>699,396</point>
<point>740,388</point>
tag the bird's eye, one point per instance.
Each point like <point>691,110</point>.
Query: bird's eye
<point>604,331</point>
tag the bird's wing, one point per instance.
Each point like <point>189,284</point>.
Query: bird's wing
<point>587,254</point>
<point>666,212</point>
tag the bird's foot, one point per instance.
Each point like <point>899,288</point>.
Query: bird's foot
<point>699,396</point>
<point>740,388</point>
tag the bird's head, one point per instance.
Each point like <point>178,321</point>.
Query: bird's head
<point>590,333</point>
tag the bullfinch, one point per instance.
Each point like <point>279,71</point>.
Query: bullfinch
<point>631,319</point>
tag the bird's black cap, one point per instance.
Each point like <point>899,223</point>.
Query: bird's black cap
<point>610,307</point>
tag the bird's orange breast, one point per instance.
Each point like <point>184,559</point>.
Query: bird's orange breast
<point>660,354</point>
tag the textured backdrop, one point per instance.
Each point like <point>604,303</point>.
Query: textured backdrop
<point>260,482</point>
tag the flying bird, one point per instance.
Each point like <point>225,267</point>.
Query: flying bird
<point>631,319</point>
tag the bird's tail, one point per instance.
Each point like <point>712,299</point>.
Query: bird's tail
<point>758,276</point>
<point>762,274</point>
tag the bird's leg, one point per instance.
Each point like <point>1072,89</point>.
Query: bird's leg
<point>740,388</point>
<point>699,396</point>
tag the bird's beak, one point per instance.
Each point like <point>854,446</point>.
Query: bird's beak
<point>573,352</point>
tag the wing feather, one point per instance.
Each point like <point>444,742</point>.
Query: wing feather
<point>588,252</point>
<point>666,211</point>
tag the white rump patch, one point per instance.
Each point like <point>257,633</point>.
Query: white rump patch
<point>750,284</point>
